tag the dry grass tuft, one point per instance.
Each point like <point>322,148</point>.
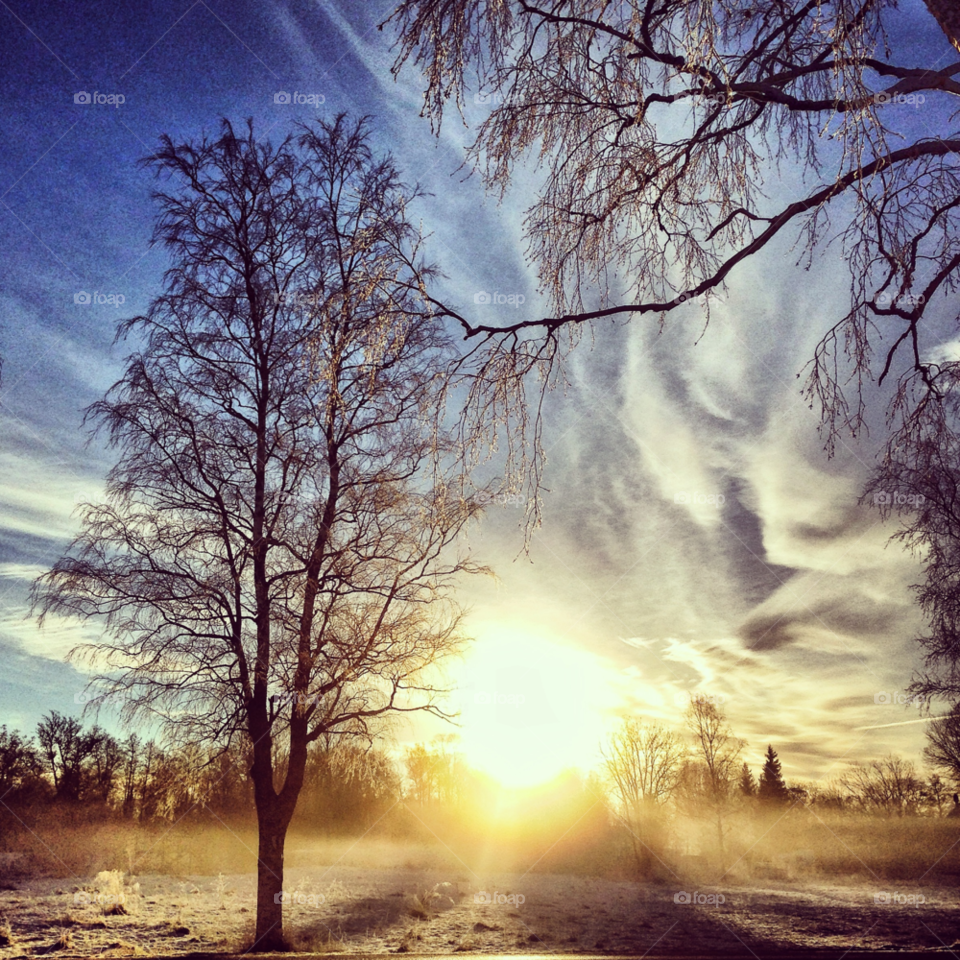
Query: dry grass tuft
<point>418,905</point>
<point>318,943</point>
<point>409,942</point>
<point>123,948</point>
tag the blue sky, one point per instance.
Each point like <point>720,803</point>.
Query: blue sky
<point>695,536</point>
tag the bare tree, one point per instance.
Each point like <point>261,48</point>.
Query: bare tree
<point>936,793</point>
<point>656,120</point>
<point>275,559</point>
<point>888,786</point>
<point>422,769</point>
<point>942,749</point>
<point>642,763</point>
<point>918,481</point>
<point>20,765</point>
<point>829,795</point>
<point>106,762</point>
<point>717,759</point>
<point>67,751</point>
<point>437,773</point>
<point>131,772</point>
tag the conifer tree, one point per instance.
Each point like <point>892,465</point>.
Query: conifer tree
<point>772,788</point>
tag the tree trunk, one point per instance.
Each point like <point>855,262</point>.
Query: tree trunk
<point>641,853</point>
<point>273,834</point>
<point>720,843</point>
<point>274,813</point>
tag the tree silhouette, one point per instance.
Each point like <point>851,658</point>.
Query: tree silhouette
<point>274,561</point>
<point>717,754</point>
<point>20,764</point>
<point>918,481</point>
<point>642,763</point>
<point>942,749</point>
<point>888,786</point>
<point>772,789</point>
<point>68,752</point>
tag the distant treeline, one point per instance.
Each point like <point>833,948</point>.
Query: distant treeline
<point>88,774</point>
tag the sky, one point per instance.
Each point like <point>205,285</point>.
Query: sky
<point>695,538</point>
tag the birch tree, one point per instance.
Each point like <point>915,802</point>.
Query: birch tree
<point>274,561</point>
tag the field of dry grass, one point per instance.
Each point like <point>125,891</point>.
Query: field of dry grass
<point>802,881</point>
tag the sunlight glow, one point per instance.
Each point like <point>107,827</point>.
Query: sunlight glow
<point>531,707</point>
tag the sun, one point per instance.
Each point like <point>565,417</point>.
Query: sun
<point>532,707</point>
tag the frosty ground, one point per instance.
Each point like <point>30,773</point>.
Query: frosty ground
<point>366,910</point>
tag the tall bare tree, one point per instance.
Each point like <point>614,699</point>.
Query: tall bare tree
<point>717,756</point>
<point>274,561</point>
<point>347,787</point>
<point>642,763</point>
